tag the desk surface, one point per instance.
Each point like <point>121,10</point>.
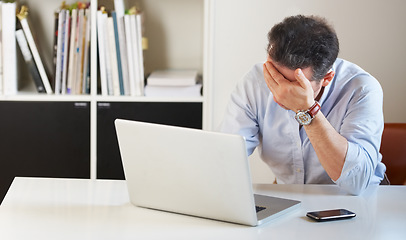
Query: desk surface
<point>40,208</point>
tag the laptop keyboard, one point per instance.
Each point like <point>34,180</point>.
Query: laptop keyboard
<point>259,208</point>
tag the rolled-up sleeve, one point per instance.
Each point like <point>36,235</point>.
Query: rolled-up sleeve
<point>363,127</point>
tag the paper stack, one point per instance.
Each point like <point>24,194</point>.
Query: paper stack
<point>173,83</point>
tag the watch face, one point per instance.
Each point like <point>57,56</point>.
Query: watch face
<point>303,118</point>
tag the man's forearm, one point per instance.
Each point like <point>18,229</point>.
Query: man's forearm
<point>329,145</point>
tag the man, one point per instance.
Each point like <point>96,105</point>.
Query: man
<point>315,118</point>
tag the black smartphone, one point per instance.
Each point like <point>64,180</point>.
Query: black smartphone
<point>328,215</point>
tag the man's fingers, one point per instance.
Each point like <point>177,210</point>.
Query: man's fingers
<point>275,74</point>
<point>270,82</point>
<point>301,78</point>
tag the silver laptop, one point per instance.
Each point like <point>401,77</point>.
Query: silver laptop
<point>193,172</point>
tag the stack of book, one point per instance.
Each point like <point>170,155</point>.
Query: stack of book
<point>8,52</point>
<point>120,47</point>
<point>173,83</point>
<point>71,49</point>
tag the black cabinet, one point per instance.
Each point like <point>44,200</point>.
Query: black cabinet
<point>53,139</point>
<point>43,139</point>
<point>109,166</point>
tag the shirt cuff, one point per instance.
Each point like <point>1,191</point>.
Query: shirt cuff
<point>352,176</point>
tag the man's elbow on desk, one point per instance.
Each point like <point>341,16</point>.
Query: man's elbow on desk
<point>359,171</point>
<point>355,181</point>
<point>351,186</point>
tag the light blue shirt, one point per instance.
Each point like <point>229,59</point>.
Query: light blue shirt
<point>352,103</point>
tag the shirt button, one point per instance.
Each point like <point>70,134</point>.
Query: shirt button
<point>298,170</point>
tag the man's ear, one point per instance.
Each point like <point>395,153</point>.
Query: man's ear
<point>327,78</point>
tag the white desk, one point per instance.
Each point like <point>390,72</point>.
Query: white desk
<point>36,208</point>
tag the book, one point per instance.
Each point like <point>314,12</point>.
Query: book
<point>172,78</point>
<point>22,16</point>
<point>130,55</point>
<point>109,75</point>
<point>139,42</point>
<point>101,49</point>
<point>55,48</point>
<point>72,55</point>
<point>81,51</point>
<point>138,64</point>
<point>86,57</point>
<point>119,52</point>
<point>58,49</point>
<point>1,53</point>
<point>124,57</point>
<point>113,59</point>
<point>119,13</point>
<point>75,84</point>
<point>76,87</point>
<point>9,48</point>
<point>173,91</point>
<point>119,8</point>
<point>32,68</point>
<point>65,50</point>
<point>61,18</point>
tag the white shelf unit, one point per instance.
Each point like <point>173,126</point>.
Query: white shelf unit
<point>176,31</point>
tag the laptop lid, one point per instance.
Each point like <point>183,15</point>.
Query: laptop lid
<point>187,171</point>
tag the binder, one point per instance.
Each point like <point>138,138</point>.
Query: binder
<point>32,68</point>
<point>22,16</point>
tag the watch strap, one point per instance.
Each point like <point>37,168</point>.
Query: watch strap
<point>314,109</point>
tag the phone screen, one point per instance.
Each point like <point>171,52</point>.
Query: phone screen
<point>334,214</point>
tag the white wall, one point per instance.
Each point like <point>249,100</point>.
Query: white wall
<point>371,33</point>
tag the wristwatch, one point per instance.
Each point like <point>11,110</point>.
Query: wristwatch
<point>305,117</point>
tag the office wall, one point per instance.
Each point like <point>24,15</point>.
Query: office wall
<point>371,33</point>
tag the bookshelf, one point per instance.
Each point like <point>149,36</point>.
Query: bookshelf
<point>176,32</point>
